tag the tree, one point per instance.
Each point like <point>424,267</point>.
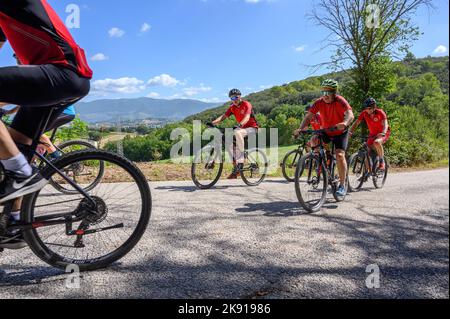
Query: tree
<point>366,35</point>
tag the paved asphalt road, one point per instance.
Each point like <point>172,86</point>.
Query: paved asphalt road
<point>240,242</point>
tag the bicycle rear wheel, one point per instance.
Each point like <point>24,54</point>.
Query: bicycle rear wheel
<point>105,232</point>
<point>207,168</point>
<point>356,171</point>
<point>77,170</point>
<point>255,169</point>
<point>311,183</point>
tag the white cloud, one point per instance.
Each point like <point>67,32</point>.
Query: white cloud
<point>301,48</point>
<point>441,49</point>
<point>125,85</point>
<point>116,33</point>
<point>154,95</point>
<point>163,80</point>
<point>191,91</point>
<point>99,57</point>
<point>145,28</point>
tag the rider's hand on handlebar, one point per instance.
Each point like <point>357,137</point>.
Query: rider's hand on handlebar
<point>341,127</point>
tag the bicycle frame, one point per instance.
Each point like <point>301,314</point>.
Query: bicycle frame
<point>48,220</point>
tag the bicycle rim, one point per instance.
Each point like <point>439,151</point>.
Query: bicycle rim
<point>356,171</point>
<point>311,183</point>
<point>255,168</point>
<point>289,165</point>
<point>207,168</point>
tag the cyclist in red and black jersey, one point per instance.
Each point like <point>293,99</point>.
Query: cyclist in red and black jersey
<point>55,73</point>
<point>378,124</point>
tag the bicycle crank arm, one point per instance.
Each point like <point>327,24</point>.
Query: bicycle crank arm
<point>81,232</point>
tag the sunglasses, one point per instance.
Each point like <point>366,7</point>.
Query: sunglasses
<point>328,93</point>
<point>234,98</point>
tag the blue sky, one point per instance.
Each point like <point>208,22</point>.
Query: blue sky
<point>201,48</point>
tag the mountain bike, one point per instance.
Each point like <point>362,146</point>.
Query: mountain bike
<point>91,229</point>
<point>290,161</point>
<point>364,165</point>
<point>315,172</point>
<point>76,171</point>
<point>209,164</point>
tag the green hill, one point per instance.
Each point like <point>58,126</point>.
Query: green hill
<point>301,93</point>
<point>417,106</point>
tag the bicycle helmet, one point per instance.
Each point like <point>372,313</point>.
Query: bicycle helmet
<point>234,92</point>
<point>307,108</point>
<point>369,102</point>
<point>330,84</point>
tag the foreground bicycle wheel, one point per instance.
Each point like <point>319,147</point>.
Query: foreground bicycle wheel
<point>106,234</point>
<point>311,183</point>
<point>289,165</point>
<point>207,168</point>
<point>256,167</point>
<point>76,171</point>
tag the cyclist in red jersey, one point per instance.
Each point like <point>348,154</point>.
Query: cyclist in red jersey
<point>244,114</point>
<point>336,113</point>
<point>54,74</point>
<point>380,132</point>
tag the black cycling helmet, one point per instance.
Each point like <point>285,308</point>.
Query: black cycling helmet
<point>369,102</point>
<point>235,92</point>
<point>309,107</point>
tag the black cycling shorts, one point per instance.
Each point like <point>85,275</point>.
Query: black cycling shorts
<point>38,89</point>
<point>340,141</point>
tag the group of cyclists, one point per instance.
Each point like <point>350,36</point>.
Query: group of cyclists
<point>52,74</point>
<point>332,114</point>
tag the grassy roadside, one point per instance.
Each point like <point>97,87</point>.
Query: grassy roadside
<point>168,171</point>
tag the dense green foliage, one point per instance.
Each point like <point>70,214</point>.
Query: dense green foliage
<point>415,96</point>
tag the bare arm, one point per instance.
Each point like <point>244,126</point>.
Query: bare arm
<point>355,126</point>
<point>218,120</point>
<point>245,120</point>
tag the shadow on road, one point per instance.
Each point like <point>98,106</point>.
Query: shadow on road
<point>10,277</point>
<point>193,189</point>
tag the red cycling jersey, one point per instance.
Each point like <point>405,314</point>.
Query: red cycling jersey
<point>38,36</point>
<point>241,111</point>
<point>374,121</point>
<point>316,122</point>
<point>331,114</point>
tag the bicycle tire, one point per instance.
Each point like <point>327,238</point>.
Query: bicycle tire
<point>299,172</point>
<point>383,182</point>
<point>47,255</point>
<point>197,182</point>
<point>353,158</point>
<point>99,177</point>
<point>263,176</point>
<point>285,162</point>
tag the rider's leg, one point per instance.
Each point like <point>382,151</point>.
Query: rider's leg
<point>342,166</point>
<point>240,135</point>
<point>12,160</point>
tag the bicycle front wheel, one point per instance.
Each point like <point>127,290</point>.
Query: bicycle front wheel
<point>356,171</point>
<point>207,168</point>
<point>379,180</point>
<point>311,183</point>
<point>87,235</point>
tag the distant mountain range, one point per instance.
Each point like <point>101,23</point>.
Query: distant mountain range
<point>139,108</point>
